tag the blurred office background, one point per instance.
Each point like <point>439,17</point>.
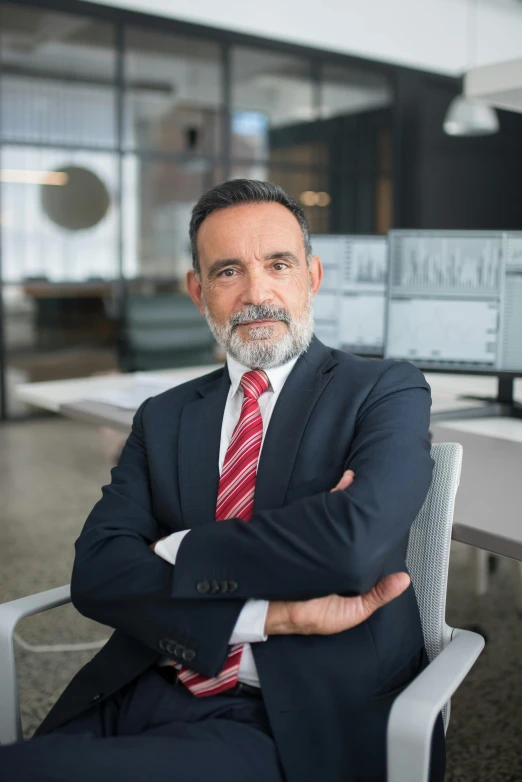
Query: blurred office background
<point>113,123</point>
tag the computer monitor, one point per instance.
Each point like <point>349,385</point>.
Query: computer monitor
<point>454,304</point>
<point>349,308</point>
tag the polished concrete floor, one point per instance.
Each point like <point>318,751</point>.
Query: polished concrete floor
<point>51,471</point>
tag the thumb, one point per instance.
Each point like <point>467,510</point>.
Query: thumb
<point>385,590</point>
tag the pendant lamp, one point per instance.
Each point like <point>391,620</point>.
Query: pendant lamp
<point>465,117</point>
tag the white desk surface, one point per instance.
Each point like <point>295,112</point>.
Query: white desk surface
<point>51,395</point>
<point>488,508</point>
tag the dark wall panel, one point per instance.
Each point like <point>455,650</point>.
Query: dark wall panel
<point>454,182</point>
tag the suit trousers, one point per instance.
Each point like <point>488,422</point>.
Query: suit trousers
<point>153,730</point>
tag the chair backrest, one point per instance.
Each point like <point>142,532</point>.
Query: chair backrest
<point>428,551</point>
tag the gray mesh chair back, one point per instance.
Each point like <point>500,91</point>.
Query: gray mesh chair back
<point>428,551</point>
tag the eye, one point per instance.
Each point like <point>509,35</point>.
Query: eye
<point>281,265</point>
<point>227,273</point>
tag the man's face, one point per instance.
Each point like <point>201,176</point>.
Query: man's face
<point>256,287</point>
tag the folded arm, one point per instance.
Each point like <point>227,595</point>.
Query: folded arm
<point>331,543</point>
<point>118,581</point>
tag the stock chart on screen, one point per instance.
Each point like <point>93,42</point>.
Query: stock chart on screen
<point>349,308</point>
<point>454,300</point>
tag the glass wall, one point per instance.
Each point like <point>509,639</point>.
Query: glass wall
<point>59,195</point>
<point>173,137</point>
<point>110,132</point>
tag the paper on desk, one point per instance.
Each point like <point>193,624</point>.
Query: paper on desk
<point>142,388</point>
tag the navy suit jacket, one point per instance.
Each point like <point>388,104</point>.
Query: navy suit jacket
<point>327,697</point>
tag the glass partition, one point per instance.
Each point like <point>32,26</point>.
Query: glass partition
<point>110,131</point>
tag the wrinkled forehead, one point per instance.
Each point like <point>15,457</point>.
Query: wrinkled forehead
<point>249,232</point>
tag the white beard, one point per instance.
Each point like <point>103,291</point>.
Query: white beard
<point>256,352</point>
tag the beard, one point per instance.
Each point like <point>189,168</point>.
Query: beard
<point>260,350</point>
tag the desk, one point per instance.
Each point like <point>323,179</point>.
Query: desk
<point>488,511</point>
<point>488,508</point>
<point>55,395</point>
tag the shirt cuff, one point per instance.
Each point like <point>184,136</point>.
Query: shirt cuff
<point>167,548</point>
<point>250,625</point>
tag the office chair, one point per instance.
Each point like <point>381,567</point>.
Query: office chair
<point>451,652</point>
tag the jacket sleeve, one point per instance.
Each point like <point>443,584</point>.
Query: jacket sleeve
<point>330,543</point>
<point>118,581</point>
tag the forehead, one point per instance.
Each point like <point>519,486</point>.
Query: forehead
<point>249,226</point>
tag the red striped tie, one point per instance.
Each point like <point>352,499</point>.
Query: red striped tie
<point>235,500</point>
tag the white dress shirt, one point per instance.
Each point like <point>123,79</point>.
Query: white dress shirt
<point>250,625</point>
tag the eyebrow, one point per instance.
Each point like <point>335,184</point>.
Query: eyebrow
<point>283,255</point>
<point>222,263</point>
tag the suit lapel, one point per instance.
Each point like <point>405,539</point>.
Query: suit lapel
<point>301,392</point>
<point>198,452</point>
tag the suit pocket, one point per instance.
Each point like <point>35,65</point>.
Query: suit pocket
<point>324,481</point>
<point>402,676</point>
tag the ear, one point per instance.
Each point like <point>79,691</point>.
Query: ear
<point>194,290</point>
<point>315,273</point>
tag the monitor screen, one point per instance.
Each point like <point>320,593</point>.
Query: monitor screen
<point>349,308</point>
<point>454,300</point>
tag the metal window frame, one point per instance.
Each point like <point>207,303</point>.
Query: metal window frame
<point>121,19</point>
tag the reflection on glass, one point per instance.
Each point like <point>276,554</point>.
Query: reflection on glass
<point>346,91</point>
<point>311,189</point>
<point>65,231</point>
<point>158,201</point>
<point>54,332</point>
<point>173,95</point>
<point>269,91</point>
<point>57,78</point>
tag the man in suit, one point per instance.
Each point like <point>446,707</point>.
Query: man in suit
<point>270,645</point>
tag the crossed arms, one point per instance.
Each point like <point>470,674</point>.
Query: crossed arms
<point>334,543</point>
<point>323,615</point>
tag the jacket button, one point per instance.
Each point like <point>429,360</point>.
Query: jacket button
<point>178,650</point>
<point>188,655</point>
<point>214,587</point>
<point>171,648</point>
<point>232,586</point>
<point>203,587</point>
<point>223,586</point>
<point>163,645</point>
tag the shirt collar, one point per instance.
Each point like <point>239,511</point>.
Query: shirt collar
<point>276,375</point>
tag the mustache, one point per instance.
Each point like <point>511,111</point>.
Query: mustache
<point>259,312</point>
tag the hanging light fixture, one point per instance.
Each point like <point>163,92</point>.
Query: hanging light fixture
<point>465,117</point>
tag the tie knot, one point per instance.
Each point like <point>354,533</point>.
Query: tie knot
<point>254,383</point>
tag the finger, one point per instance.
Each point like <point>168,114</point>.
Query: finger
<point>345,481</point>
<point>386,590</point>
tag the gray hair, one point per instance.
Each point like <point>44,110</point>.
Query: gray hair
<point>243,191</point>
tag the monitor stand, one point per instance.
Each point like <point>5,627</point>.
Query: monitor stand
<point>501,406</point>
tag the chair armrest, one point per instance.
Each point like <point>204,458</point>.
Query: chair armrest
<point>10,615</point>
<point>413,714</point>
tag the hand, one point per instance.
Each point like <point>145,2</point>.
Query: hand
<point>332,614</point>
<point>346,480</point>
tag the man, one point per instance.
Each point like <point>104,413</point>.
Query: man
<point>250,549</point>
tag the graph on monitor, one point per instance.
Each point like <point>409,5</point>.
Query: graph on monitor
<point>349,308</point>
<point>454,298</point>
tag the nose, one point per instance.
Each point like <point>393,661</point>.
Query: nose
<point>257,289</point>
